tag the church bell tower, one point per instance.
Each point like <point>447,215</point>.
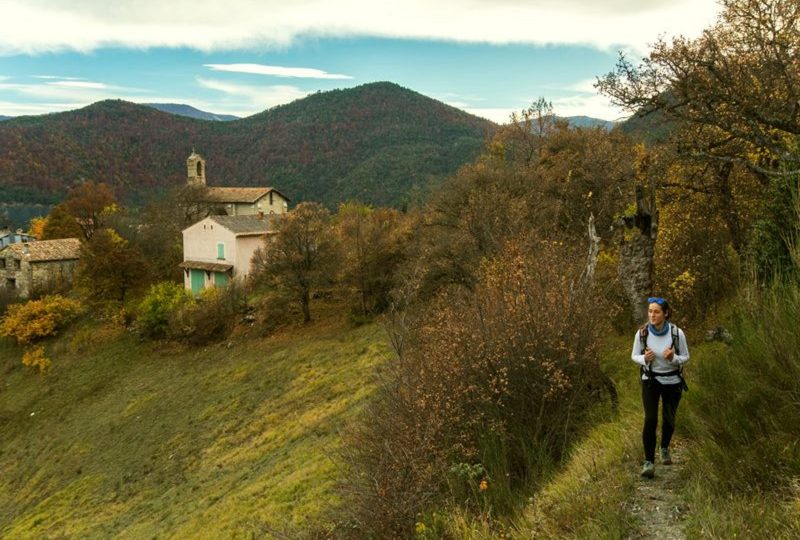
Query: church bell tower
<point>196,170</point>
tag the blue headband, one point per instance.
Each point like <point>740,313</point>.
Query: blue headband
<point>656,300</point>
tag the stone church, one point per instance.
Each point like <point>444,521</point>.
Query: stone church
<point>235,201</point>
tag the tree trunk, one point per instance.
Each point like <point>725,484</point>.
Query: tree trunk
<point>729,212</point>
<point>637,248</point>
<point>304,303</point>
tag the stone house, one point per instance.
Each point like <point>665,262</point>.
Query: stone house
<point>8,237</point>
<point>218,249</point>
<point>235,201</point>
<point>29,267</point>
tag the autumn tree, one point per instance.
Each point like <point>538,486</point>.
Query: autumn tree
<point>371,244</point>
<point>37,226</point>
<point>732,100</point>
<point>60,224</point>
<point>109,267</point>
<point>734,91</point>
<point>159,236</point>
<point>300,258</point>
<point>91,205</point>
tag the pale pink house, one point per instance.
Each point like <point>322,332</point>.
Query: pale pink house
<point>217,249</point>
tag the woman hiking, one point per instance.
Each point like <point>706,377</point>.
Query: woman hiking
<point>661,350</point>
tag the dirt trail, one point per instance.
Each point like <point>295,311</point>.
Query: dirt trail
<point>657,504</point>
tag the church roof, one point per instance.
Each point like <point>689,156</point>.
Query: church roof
<point>63,249</point>
<point>238,194</point>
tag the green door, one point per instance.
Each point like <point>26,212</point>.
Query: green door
<point>220,279</point>
<point>198,281</point>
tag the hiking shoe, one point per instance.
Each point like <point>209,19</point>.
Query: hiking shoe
<point>648,469</point>
<point>666,459</point>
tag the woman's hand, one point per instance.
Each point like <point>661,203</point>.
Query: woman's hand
<point>649,356</point>
<point>668,354</point>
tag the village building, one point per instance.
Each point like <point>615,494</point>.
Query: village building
<point>8,237</point>
<point>234,201</point>
<point>30,267</point>
<point>218,249</point>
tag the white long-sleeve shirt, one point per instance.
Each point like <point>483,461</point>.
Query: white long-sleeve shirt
<point>658,344</point>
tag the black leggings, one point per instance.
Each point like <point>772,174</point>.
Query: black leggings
<point>671,395</point>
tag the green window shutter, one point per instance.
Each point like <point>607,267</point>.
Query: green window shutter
<point>220,250</point>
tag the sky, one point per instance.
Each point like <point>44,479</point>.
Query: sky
<point>240,57</point>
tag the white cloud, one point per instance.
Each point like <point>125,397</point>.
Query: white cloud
<point>10,108</point>
<point>80,84</point>
<point>31,26</point>
<point>278,71</point>
<point>58,77</point>
<point>244,100</point>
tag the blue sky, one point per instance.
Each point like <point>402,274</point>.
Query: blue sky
<point>243,56</point>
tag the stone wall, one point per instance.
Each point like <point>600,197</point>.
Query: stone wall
<point>39,277</point>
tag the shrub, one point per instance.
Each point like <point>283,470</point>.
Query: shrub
<point>211,318</point>
<point>161,303</point>
<point>37,319</point>
<point>494,381</point>
<point>35,358</point>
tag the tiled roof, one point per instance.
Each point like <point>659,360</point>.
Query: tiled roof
<point>249,224</point>
<point>211,267</point>
<point>238,194</point>
<point>63,249</point>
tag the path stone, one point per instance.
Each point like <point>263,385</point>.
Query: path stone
<point>657,504</point>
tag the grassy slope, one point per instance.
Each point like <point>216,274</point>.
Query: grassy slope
<point>135,440</point>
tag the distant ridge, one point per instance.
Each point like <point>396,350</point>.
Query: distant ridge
<point>588,121</point>
<point>5,117</point>
<point>187,110</point>
<point>378,143</point>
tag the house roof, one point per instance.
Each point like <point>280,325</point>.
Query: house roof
<point>248,224</point>
<point>63,249</point>
<point>238,194</point>
<point>202,265</point>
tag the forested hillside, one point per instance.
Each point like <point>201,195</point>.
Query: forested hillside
<point>375,143</point>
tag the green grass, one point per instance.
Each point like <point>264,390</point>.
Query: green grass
<point>139,440</point>
<point>744,479</point>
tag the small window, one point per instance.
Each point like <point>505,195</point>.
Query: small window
<point>199,168</point>
<point>11,283</point>
<point>17,264</point>
<point>2,263</point>
<point>220,251</point>
<point>270,197</point>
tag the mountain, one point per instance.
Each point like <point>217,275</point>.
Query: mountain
<point>5,117</point>
<point>588,121</point>
<point>187,110</point>
<point>376,143</point>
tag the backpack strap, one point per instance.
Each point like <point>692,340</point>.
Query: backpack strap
<point>675,338</point>
<point>675,347</point>
<point>643,333</point>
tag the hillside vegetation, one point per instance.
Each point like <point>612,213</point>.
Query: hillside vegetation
<point>375,143</point>
<point>138,440</point>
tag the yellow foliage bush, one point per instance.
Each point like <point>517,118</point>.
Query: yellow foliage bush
<point>37,319</point>
<point>35,358</point>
